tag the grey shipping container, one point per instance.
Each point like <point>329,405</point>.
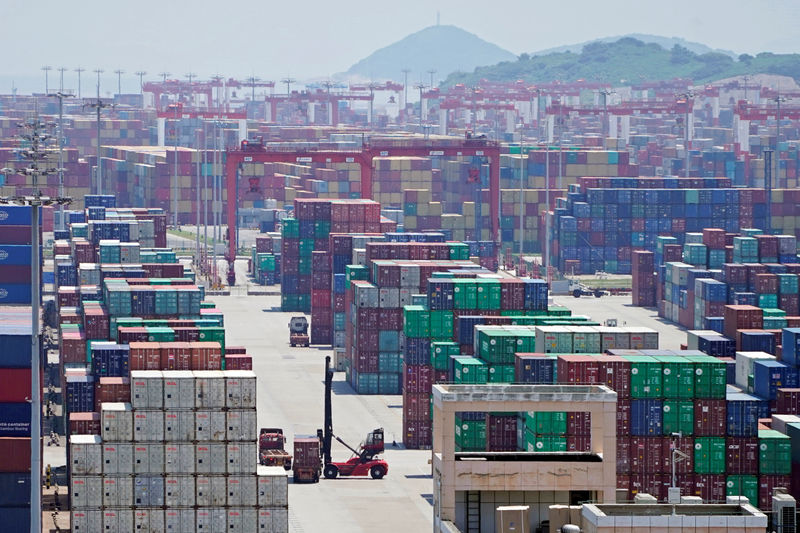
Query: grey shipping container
<point>180,520</point>
<point>116,421</point>
<point>179,425</point>
<point>117,491</point>
<point>148,425</point>
<point>273,486</point>
<point>211,458</point>
<point>211,520</point>
<point>241,457</point>
<point>149,520</point>
<point>274,520</point>
<point>210,425</point>
<point>86,454</point>
<point>240,389</point>
<point>148,491</point>
<point>211,491</point>
<point>86,520</point>
<point>179,458</point>
<point>117,458</point>
<point>117,521</point>
<point>147,389</point>
<point>242,425</point>
<point>179,490</point>
<point>242,490</point>
<point>86,491</point>
<point>179,390</point>
<point>148,458</point>
<point>242,520</point>
<point>209,389</point>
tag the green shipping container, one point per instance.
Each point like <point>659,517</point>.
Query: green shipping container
<point>545,443</point>
<point>291,228</point>
<point>306,246</point>
<point>441,325</point>
<point>160,334</point>
<point>774,452</point>
<point>501,374</point>
<point>646,376</point>
<point>709,455</point>
<point>441,352</point>
<point>416,321</point>
<point>470,370</point>
<point>213,335</point>
<point>677,377</point>
<point>389,383</point>
<point>465,294</point>
<point>546,422</point>
<point>746,486</point>
<point>470,435</point>
<point>390,362</point>
<point>678,416</point>
<point>710,377</point>
<point>458,251</point>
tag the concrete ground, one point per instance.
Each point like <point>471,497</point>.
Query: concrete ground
<point>290,392</point>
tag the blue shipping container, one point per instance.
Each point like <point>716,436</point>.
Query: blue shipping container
<point>15,419</point>
<point>769,376</point>
<point>791,346</point>
<point>743,411</point>
<point>15,254</point>
<point>646,417</point>
<point>15,215</point>
<point>15,489</point>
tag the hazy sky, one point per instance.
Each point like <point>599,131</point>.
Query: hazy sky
<point>315,38</point>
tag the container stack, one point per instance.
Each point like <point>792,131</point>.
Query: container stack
<point>644,283</point>
<point>180,457</point>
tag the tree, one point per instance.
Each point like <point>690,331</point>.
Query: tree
<point>680,55</point>
<point>745,58</point>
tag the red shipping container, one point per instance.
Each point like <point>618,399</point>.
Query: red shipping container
<point>578,369</point>
<point>238,361</point>
<point>652,484</point>
<point>417,378</point>
<point>145,356</point>
<point>766,488</point>
<point>111,389</point>
<point>417,434</point>
<point>741,455</point>
<point>16,384</point>
<point>788,401</point>
<point>623,417</point>
<point>579,423</point>
<point>714,238</point>
<point>95,323</point>
<point>623,455</point>
<point>710,418</point>
<point>366,362</point>
<point>710,487</point>
<point>416,406</point>
<point>190,334</point>
<point>615,372</point>
<point>15,454</point>
<point>624,483</point>
<point>501,432</point>
<point>84,423</point>
<point>684,444</point>
<point>176,356</point>
<point>646,455</point>
<point>206,356</point>
<point>579,443</point>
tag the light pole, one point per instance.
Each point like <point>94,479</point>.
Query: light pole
<point>405,72</point>
<point>98,71</point>
<point>605,130</point>
<point>141,74</point>
<point>79,70</point>
<point>46,69</point>
<point>778,99</point>
<point>174,193</point>
<point>421,87</point>
<point>98,105</point>
<point>36,154</point>
<point>61,79</point>
<point>164,75</point>
<point>119,73</point>
<point>432,72</point>
<point>288,81</point>
<point>60,95</point>
<point>688,98</point>
<point>372,87</point>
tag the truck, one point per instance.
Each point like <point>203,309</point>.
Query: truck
<point>271,452</point>
<point>298,331</point>
<point>307,466</point>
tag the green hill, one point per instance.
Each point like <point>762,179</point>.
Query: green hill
<point>443,48</point>
<point>631,60</point>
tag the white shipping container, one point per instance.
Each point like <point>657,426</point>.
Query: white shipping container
<point>86,454</point>
<point>118,458</point>
<point>179,389</point>
<point>211,491</point>
<point>242,425</point>
<point>179,491</point>
<point>147,389</point>
<point>242,520</point>
<point>180,520</point>
<point>117,422</point>
<point>210,426</point>
<point>210,458</point>
<point>209,389</point>
<point>86,520</point>
<point>211,520</point>
<point>273,486</point>
<point>179,425</point>
<point>117,521</point>
<point>148,491</point>
<point>148,425</point>
<point>149,520</point>
<point>242,457</point>
<point>242,490</point>
<point>240,389</point>
<point>148,457</point>
<point>117,491</point>
<point>405,297</point>
<point>389,297</point>
<point>86,491</point>
<point>179,458</point>
<point>273,520</point>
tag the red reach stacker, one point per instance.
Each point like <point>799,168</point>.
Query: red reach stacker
<point>365,461</point>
